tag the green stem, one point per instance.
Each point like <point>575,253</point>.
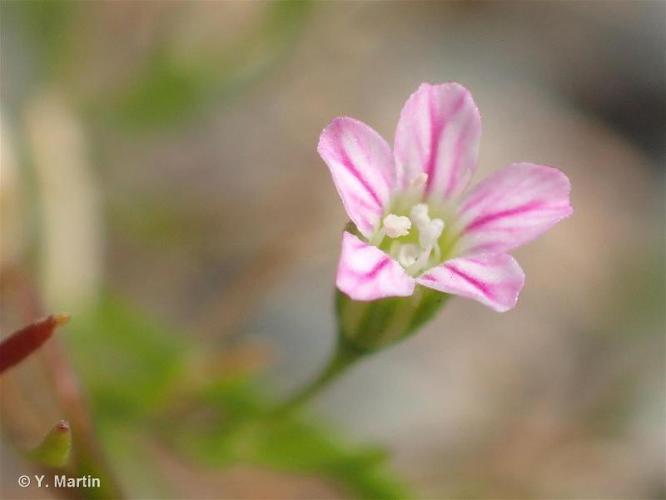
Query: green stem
<point>344,356</point>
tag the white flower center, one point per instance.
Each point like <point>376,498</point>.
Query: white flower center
<point>414,257</point>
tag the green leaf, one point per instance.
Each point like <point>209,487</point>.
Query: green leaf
<point>128,362</point>
<point>240,428</point>
<point>55,447</point>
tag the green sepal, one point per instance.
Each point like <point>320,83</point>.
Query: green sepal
<point>376,324</point>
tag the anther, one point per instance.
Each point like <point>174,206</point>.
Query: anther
<point>396,226</point>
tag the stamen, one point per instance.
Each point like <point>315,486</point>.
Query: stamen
<point>408,255</point>
<point>420,263</point>
<point>419,181</point>
<point>419,215</point>
<point>429,233</point>
<point>378,237</point>
<point>414,257</point>
<point>397,225</point>
<point>394,251</point>
<point>438,253</point>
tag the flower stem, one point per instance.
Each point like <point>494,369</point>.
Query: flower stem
<point>343,357</point>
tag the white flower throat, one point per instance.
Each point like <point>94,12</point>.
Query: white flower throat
<point>415,254</point>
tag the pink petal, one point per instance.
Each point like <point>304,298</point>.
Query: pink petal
<point>362,168</point>
<point>367,273</point>
<point>511,207</point>
<point>438,133</point>
<point>492,279</point>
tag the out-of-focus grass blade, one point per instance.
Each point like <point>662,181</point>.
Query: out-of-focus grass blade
<point>55,447</point>
<point>28,339</point>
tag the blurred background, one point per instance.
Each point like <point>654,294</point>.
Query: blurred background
<point>154,160</point>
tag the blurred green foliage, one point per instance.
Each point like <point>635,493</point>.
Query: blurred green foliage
<point>49,25</point>
<point>242,430</point>
<point>171,87</point>
<point>128,362</point>
<point>166,87</point>
<point>140,380</point>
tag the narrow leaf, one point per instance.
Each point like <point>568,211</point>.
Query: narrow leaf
<point>24,342</point>
<point>54,449</point>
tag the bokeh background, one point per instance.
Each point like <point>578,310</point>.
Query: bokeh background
<point>160,183</point>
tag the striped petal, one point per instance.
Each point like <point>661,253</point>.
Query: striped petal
<point>438,134</point>
<point>367,273</point>
<point>494,280</point>
<point>361,164</point>
<point>511,207</point>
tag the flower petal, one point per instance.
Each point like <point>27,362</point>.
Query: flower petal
<point>362,168</point>
<point>367,273</point>
<point>492,279</point>
<point>511,207</point>
<point>438,134</point>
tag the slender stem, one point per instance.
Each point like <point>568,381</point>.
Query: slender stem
<point>343,357</point>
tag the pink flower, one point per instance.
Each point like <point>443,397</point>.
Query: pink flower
<point>416,224</point>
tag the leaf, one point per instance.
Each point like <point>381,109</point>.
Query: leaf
<point>128,361</point>
<point>55,448</point>
<point>27,340</point>
<point>240,428</point>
